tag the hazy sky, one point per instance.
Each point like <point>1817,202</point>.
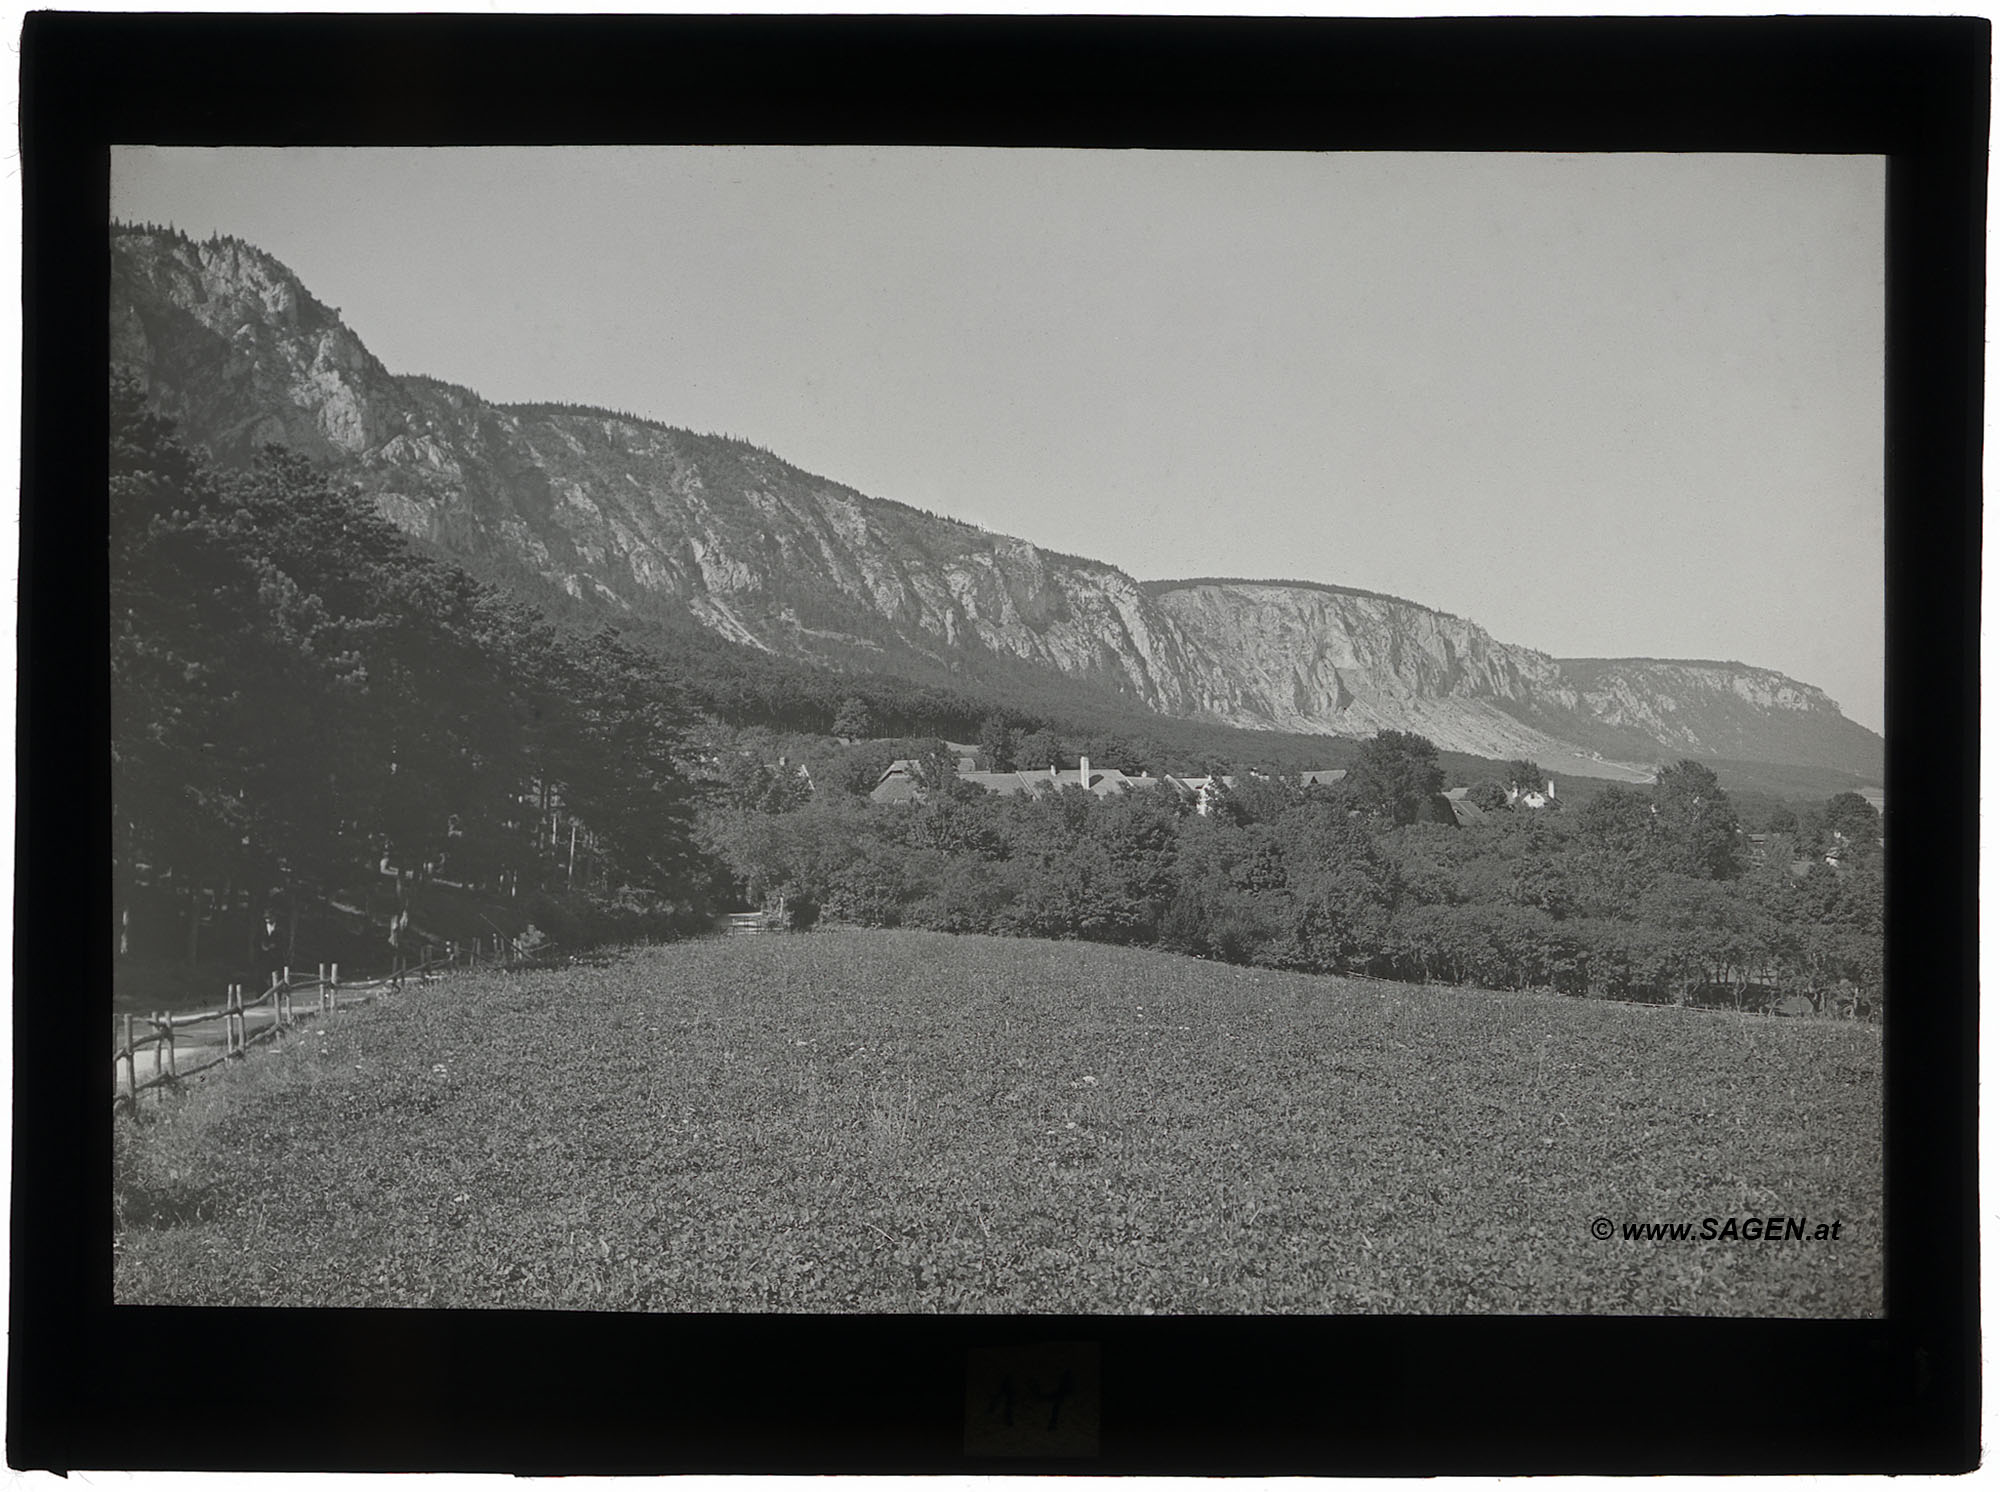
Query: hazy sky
<point>1603,405</point>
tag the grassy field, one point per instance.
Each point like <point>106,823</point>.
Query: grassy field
<point>914,1122</point>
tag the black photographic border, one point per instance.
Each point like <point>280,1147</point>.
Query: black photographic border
<point>550,1392</point>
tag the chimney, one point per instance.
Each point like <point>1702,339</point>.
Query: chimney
<point>1083,771</point>
<point>1552,789</point>
<point>1052,771</point>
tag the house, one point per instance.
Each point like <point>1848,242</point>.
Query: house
<point>1326,777</point>
<point>783,765</point>
<point>1102,782</point>
<point>1206,791</point>
<point>1531,797</point>
<point>898,785</point>
<point>1463,810</point>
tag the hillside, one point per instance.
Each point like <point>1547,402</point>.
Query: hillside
<point>640,523</point>
<point>977,1125</point>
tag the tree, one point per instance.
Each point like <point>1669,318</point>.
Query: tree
<point>1698,828</point>
<point>1396,775</point>
<point>1854,819</point>
<point>1228,899</point>
<point>853,721</point>
<point>242,608</point>
<point>1255,798</point>
<point>1036,751</point>
<point>859,768</point>
<point>1709,934</point>
<point>1488,794</point>
<point>935,765</point>
<point>1339,888</point>
<point>1541,877</point>
<point>296,693</point>
<point>1115,751</point>
<point>959,894</point>
<point>621,773</point>
<point>795,861</point>
<point>1527,775</point>
<point>961,825</point>
<point>996,745</point>
<point>1613,856</point>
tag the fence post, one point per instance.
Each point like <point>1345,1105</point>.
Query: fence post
<point>165,1029</point>
<point>131,1068</point>
<point>331,992</point>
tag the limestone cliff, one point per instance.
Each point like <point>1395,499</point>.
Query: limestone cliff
<point>631,516</point>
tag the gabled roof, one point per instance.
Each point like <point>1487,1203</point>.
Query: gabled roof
<point>1005,783</point>
<point>1103,782</point>
<point>896,787</point>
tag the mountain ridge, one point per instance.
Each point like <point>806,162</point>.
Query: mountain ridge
<point>637,517</point>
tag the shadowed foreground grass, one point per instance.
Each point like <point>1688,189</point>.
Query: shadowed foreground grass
<point>914,1122</point>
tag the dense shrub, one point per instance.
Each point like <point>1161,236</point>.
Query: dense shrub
<point>1613,899</point>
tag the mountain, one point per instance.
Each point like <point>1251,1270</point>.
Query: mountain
<point>640,521</point>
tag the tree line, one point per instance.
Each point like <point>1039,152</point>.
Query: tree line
<point>1654,893</point>
<point>301,701</point>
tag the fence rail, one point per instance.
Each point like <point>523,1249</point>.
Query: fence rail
<point>279,1009</point>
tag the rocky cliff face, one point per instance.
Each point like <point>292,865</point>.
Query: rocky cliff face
<point>632,516</point>
<point>1688,707</point>
<point>233,346</point>
<point>1298,657</point>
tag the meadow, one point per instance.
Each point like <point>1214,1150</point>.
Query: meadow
<point>916,1122</point>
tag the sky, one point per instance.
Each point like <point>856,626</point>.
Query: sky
<point>1602,405</point>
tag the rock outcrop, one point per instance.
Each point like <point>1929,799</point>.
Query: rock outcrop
<point>631,516</point>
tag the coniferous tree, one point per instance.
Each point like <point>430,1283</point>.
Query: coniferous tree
<point>996,745</point>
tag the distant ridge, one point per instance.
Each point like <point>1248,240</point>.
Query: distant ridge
<point>1155,587</point>
<point>637,522</point>
<point>1685,662</point>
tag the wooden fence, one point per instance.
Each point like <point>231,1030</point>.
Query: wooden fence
<point>246,1022</point>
